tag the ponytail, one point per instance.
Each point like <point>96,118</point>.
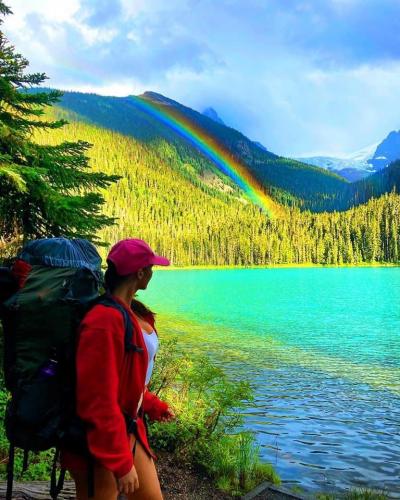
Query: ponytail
<point>112,279</point>
<point>140,309</point>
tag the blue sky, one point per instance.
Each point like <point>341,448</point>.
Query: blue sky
<point>301,76</point>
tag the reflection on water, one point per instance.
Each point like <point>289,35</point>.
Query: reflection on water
<point>326,433</point>
<point>321,348</point>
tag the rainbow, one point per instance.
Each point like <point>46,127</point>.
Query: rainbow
<point>212,149</point>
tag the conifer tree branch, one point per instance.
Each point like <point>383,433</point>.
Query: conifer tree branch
<point>46,190</point>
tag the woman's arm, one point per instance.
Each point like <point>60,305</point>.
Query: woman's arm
<point>100,356</point>
<point>156,409</point>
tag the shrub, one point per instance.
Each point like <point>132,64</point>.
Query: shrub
<point>206,432</point>
<point>355,494</point>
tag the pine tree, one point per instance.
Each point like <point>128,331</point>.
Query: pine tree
<point>44,190</point>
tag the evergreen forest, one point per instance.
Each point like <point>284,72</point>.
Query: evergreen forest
<point>199,220</point>
<point>288,181</point>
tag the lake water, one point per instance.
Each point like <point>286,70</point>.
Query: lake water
<point>321,347</point>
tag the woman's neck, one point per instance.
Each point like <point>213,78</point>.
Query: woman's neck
<point>125,293</point>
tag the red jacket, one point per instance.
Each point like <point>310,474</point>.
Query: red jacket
<point>111,381</point>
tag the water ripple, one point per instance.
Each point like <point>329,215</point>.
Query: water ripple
<point>321,347</point>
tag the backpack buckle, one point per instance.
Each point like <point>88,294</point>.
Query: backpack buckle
<point>131,424</point>
<point>134,348</point>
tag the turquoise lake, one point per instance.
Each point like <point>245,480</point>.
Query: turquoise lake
<point>320,346</point>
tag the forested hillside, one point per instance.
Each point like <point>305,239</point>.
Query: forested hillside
<point>288,181</point>
<point>195,222</point>
<point>384,181</point>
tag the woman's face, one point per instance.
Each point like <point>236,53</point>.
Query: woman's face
<point>144,276</point>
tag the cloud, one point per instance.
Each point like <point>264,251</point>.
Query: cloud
<point>55,12</point>
<point>346,33</point>
<point>100,12</point>
<point>298,75</point>
<point>92,45</point>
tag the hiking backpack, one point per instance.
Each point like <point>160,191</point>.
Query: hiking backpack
<point>43,298</point>
<point>47,292</point>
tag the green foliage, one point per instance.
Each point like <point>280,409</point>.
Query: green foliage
<point>355,494</point>
<point>233,461</point>
<point>199,392</point>
<point>288,181</point>
<point>44,190</point>
<point>205,432</point>
<point>194,222</point>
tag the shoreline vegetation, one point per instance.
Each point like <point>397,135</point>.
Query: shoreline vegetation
<point>207,433</point>
<point>207,267</point>
<point>206,436</point>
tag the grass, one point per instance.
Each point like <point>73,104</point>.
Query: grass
<point>235,465</point>
<point>355,494</point>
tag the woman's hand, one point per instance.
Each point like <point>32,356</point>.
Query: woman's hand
<point>167,416</point>
<point>128,483</point>
<point>155,409</point>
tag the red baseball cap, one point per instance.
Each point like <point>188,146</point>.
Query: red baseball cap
<point>128,256</point>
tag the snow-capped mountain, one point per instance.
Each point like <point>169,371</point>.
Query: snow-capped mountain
<point>387,151</point>
<point>362,163</point>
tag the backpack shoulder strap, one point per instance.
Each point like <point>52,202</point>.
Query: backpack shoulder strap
<point>108,301</point>
<point>8,284</point>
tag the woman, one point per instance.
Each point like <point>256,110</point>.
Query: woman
<point>111,383</point>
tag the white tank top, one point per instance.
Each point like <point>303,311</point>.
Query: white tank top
<point>151,340</point>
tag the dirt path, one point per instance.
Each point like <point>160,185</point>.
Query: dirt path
<point>178,482</point>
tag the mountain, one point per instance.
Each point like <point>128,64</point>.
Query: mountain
<point>352,167</point>
<point>163,200</point>
<point>260,145</point>
<point>385,181</point>
<point>288,181</point>
<point>211,113</point>
<point>363,163</point>
<point>386,152</point>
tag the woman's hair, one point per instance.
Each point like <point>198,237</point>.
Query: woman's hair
<point>140,309</point>
<point>112,280</point>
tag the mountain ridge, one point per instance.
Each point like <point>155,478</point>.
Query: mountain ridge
<point>211,113</point>
<point>289,182</point>
<point>159,200</point>
<point>362,163</point>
